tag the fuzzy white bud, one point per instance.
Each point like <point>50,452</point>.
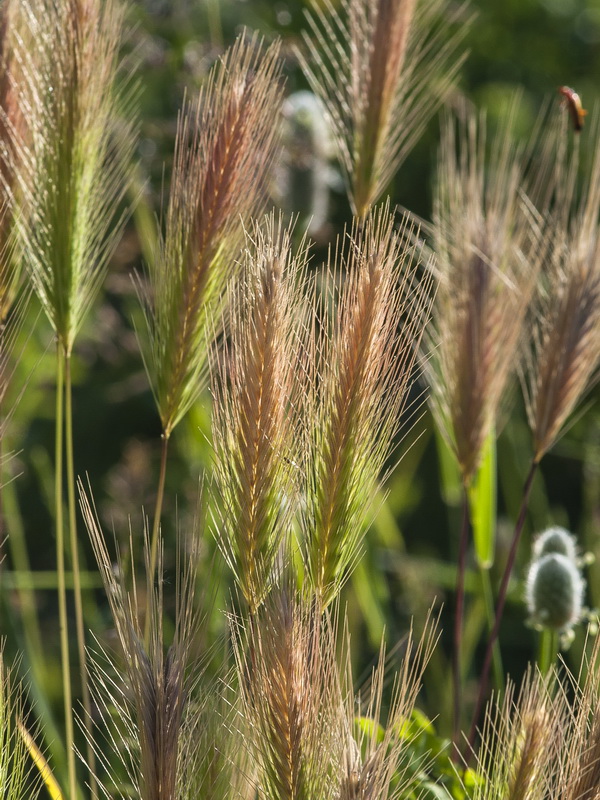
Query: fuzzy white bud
<point>554,592</point>
<point>555,540</point>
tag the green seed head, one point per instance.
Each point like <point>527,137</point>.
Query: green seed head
<point>554,592</point>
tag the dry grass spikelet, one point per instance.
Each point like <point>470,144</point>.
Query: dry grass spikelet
<point>375,314</point>
<point>15,781</point>
<point>379,762</point>
<point>217,765</point>
<point>290,695</point>
<point>580,773</point>
<point>153,691</point>
<point>255,410</point>
<point>565,350</point>
<point>381,68</point>
<point>225,143</point>
<point>522,742</point>
<point>488,253</point>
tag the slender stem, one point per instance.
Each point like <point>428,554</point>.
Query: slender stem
<point>548,649</point>
<point>488,599</point>
<point>60,568</point>
<point>458,616</point>
<point>156,523</point>
<point>159,502</point>
<point>483,683</point>
<point>77,593</point>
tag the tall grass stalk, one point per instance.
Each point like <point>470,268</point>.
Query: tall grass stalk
<point>224,147</point>
<point>70,191</point>
<point>60,569</point>
<point>458,617</point>
<point>488,253</point>
<point>565,348</point>
<point>157,676</point>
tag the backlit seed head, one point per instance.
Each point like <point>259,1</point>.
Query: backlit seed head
<point>555,540</point>
<point>554,592</point>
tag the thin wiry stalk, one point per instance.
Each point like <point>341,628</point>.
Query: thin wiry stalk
<point>14,758</point>
<point>368,361</point>
<point>501,602</point>
<point>157,679</point>
<point>565,351</point>
<point>488,253</point>
<point>290,698</point>
<point>60,574</point>
<point>255,390</point>
<point>522,740</point>
<point>77,593</point>
<point>458,617</point>
<point>381,69</point>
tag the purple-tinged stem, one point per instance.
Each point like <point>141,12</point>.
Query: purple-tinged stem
<point>458,615</point>
<point>510,562</point>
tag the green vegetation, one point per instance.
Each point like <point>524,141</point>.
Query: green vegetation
<point>299,335</point>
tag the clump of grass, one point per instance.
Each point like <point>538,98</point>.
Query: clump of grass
<point>488,253</point>
<point>579,777</point>
<point>225,143</point>
<point>359,390</point>
<point>381,69</point>
<point>73,179</point>
<point>565,346</point>
<point>15,781</point>
<point>288,680</point>
<point>309,733</point>
<point>152,692</point>
<point>70,180</point>
<point>255,425</point>
<point>523,742</point>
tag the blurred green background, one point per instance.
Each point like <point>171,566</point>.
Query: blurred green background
<point>410,552</point>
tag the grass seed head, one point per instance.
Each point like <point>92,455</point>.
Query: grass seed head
<point>381,68</point>
<point>256,393</point>
<point>72,165</point>
<point>565,348</point>
<point>488,253</point>
<point>225,144</point>
<point>374,319</point>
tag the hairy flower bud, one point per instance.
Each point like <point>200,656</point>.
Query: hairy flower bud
<point>554,592</point>
<point>555,540</point>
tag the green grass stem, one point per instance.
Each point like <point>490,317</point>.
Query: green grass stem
<point>156,523</point>
<point>547,650</point>
<point>60,568</point>
<point>77,590</point>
